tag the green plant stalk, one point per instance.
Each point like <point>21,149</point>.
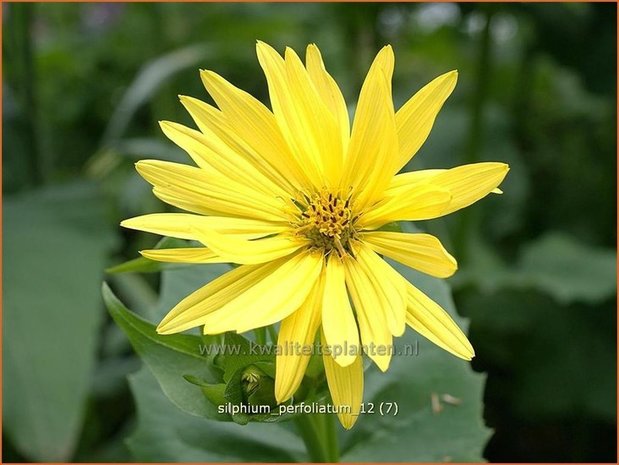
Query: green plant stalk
<point>261,335</point>
<point>272,333</point>
<point>469,219</point>
<point>24,80</point>
<point>319,435</point>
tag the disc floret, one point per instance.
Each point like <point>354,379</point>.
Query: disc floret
<point>326,219</point>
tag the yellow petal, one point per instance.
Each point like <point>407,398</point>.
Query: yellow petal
<point>338,321</point>
<point>373,142</point>
<point>249,252</point>
<point>208,193</point>
<point>389,286</point>
<point>404,181</point>
<point>213,123</point>
<point>466,183</point>
<point>296,338</point>
<point>329,92</point>
<point>314,128</point>
<point>210,153</point>
<point>418,202</point>
<point>427,318</point>
<point>269,300</point>
<point>346,387</point>
<point>287,114</point>
<point>183,225</point>
<point>255,125</point>
<point>422,252</point>
<point>375,333</point>
<point>183,255</point>
<point>189,311</point>
<point>416,117</point>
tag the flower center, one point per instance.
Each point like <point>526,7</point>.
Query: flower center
<point>327,222</point>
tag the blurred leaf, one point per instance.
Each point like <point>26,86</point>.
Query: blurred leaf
<point>55,246</point>
<point>169,358</point>
<point>569,270</point>
<point>146,83</point>
<point>457,433</point>
<point>563,356</point>
<point>555,263</point>
<point>166,434</point>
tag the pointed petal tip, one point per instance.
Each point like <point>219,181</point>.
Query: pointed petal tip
<point>383,364</point>
<point>344,360</point>
<point>163,328</point>
<point>348,422</point>
<point>281,394</point>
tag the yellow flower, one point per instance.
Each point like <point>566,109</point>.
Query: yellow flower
<point>297,198</point>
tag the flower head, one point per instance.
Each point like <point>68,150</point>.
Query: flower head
<point>297,197</point>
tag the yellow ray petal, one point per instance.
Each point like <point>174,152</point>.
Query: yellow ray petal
<point>329,91</point>
<point>182,225</point>
<point>418,202</point>
<point>313,126</point>
<point>338,321</point>
<point>269,300</point>
<point>466,183</point>
<point>427,318</point>
<point>249,252</point>
<point>416,117</point>
<point>211,193</point>
<point>346,387</point>
<point>212,154</point>
<point>296,338</point>
<point>385,61</point>
<point>404,181</point>
<point>375,333</point>
<point>389,286</point>
<point>255,125</point>
<point>213,123</point>
<point>287,114</point>
<point>422,252</point>
<point>189,311</point>
<point>183,255</point>
<point>373,142</point>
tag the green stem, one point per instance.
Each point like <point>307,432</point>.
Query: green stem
<point>272,333</point>
<point>23,79</point>
<point>261,335</point>
<point>320,438</point>
<point>469,218</point>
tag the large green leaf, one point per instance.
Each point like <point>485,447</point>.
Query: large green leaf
<point>166,434</point>
<point>417,433</point>
<point>170,358</point>
<point>55,245</point>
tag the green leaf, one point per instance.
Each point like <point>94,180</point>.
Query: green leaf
<point>55,245</point>
<point>457,433</point>
<point>166,434</point>
<point>170,358</point>
<point>557,264</point>
<point>568,269</point>
<point>542,344</point>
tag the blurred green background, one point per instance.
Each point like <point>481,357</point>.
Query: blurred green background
<point>85,84</point>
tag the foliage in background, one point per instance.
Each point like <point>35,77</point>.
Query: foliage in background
<point>84,86</point>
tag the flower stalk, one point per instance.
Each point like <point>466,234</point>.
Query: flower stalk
<point>320,437</point>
